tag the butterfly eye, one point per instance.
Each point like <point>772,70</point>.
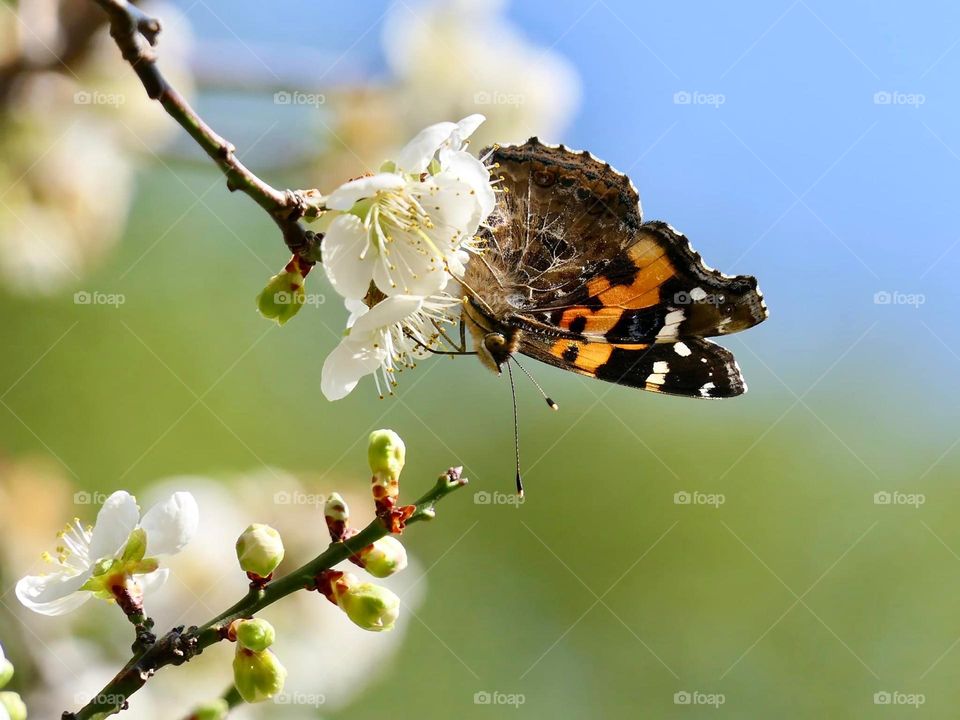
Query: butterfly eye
<point>494,342</point>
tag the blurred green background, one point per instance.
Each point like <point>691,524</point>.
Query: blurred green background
<point>803,594</point>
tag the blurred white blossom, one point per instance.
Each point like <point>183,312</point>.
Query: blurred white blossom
<point>70,136</point>
<point>453,57</point>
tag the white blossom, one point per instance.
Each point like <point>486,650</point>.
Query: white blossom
<point>383,339</point>
<point>405,227</point>
<point>84,554</point>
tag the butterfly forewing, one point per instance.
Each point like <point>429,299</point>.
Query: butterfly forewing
<point>657,290</point>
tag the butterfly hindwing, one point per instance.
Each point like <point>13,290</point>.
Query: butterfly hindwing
<point>691,368</point>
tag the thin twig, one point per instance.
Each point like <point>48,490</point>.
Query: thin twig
<point>136,34</point>
<point>180,645</point>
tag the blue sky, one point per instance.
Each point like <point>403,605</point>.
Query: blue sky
<point>819,150</point>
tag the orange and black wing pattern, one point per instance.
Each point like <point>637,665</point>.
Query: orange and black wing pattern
<point>656,290</point>
<point>589,287</point>
<point>691,368</point>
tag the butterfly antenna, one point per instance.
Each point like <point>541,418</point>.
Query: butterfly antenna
<point>550,402</point>
<point>516,430</point>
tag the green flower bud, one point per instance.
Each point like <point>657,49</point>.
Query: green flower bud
<point>337,515</point>
<point>259,550</point>
<point>256,635</point>
<point>370,606</point>
<point>283,296</point>
<point>336,508</point>
<point>6,669</point>
<point>13,704</point>
<point>384,558</point>
<point>258,676</point>
<point>386,453</point>
<point>214,710</point>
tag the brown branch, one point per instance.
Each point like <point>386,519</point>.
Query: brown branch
<point>135,33</point>
<point>181,644</point>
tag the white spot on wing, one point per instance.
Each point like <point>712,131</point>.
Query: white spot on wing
<point>670,324</point>
<point>682,350</point>
<point>660,367</point>
<point>706,388</point>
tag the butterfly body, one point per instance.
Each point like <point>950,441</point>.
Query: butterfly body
<point>573,277</point>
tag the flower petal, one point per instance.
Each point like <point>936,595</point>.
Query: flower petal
<point>348,267</point>
<point>467,169</point>
<point>171,525</point>
<point>344,367</point>
<point>456,211</point>
<point>53,594</point>
<point>417,154</point>
<point>384,314</point>
<point>466,128</point>
<point>152,582</point>
<point>356,308</point>
<point>457,264</point>
<point>345,196</point>
<point>116,520</point>
<point>422,276</point>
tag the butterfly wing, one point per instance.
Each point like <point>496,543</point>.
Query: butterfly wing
<point>657,290</point>
<point>562,216</point>
<point>571,254</point>
<point>691,368</point>
<point>593,289</point>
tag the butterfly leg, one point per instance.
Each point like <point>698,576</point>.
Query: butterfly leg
<point>434,351</point>
<point>447,338</point>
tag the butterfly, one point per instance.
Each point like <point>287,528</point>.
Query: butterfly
<point>572,276</point>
